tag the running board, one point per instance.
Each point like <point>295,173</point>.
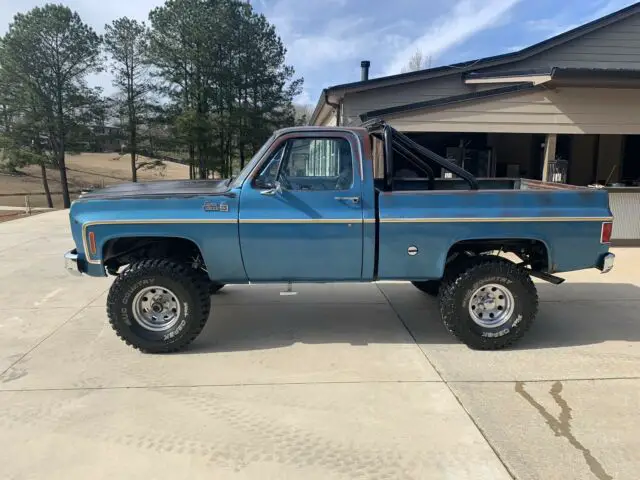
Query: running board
<point>547,277</point>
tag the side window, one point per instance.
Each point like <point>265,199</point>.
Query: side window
<point>268,174</point>
<point>318,164</point>
<point>310,164</point>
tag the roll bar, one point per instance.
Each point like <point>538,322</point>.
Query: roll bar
<point>414,152</point>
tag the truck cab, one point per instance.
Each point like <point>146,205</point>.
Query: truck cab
<point>330,204</point>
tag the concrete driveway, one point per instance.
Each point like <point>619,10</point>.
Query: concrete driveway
<point>341,381</point>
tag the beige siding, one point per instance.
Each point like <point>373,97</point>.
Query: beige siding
<point>355,104</point>
<point>563,110</point>
<point>613,46</point>
<point>329,120</point>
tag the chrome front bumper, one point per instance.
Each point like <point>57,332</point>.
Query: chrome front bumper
<point>71,262</point>
<point>606,262</point>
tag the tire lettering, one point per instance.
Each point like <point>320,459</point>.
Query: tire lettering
<point>175,332</point>
<point>501,333</point>
<point>137,286</point>
<point>125,315</point>
<point>517,321</point>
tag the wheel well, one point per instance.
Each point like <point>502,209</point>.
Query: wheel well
<point>122,251</point>
<point>533,253</point>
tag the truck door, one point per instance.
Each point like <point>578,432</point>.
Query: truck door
<point>301,215</point>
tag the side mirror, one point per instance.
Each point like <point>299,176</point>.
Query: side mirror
<point>272,189</point>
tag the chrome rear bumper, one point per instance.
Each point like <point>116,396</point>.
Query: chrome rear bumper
<point>606,262</point>
<point>71,262</point>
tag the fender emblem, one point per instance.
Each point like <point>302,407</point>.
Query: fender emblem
<point>215,207</point>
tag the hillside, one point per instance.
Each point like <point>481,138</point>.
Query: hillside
<point>85,170</point>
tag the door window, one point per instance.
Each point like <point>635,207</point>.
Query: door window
<point>311,164</point>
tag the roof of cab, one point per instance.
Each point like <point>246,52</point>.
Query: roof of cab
<point>356,130</point>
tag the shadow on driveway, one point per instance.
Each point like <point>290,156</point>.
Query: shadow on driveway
<point>569,315</point>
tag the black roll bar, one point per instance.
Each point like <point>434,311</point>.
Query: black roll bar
<point>392,137</point>
<point>388,158</point>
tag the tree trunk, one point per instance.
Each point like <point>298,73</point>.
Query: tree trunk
<point>134,171</point>
<point>241,156</point>
<point>45,185</point>
<point>202,164</point>
<point>66,200</point>
<point>60,134</point>
<point>133,141</point>
<point>192,160</point>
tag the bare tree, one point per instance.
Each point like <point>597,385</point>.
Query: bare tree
<point>302,113</point>
<point>418,61</point>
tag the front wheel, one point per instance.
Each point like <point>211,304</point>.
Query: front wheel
<point>490,304</point>
<point>158,306</point>
<point>430,287</point>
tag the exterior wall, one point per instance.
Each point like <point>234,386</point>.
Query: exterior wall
<point>357,103</point>
<point>562,110</point>
<point>609,155</point>
<point>614,46</point>
<point>330,120</point>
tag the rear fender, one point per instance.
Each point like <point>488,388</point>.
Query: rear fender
<point>442,258</point>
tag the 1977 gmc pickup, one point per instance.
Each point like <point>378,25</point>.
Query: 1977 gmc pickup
<point>311,207</point>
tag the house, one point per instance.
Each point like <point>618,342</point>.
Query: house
<point>566,109</point>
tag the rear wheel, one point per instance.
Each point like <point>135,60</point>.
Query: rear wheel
<point>158,306</point>
<point>215,287</point>
<point>489,304</point>
<point>430,287</point>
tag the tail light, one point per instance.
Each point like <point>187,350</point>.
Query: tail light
<point>605,232</point>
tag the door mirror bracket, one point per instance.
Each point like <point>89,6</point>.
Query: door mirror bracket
<point>272,189</point>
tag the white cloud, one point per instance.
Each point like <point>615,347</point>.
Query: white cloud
<point>94,13</point>
<point>305,98</point>
<point>565,20</point>
<point>610,7</point>
<point>467,18</point>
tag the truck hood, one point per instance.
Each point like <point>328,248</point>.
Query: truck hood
<point>159,189</point>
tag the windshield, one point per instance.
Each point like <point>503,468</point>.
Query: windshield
<point>237,182</point>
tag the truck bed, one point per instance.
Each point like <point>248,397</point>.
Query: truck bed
<point>421,184</point>
<point>558,216</point>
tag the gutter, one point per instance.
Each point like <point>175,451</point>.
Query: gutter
<point>336,107</point>
<point>324,100</point>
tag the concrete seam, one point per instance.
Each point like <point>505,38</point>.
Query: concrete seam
<point>482,433</point>
<point>221,385</point>
<point>55,330</point>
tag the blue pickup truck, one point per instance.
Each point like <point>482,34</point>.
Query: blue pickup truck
<point>331,204</point>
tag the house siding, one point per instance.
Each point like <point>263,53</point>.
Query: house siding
<point>362,102</point>
<point>616,46</point>
<point>562,110</point>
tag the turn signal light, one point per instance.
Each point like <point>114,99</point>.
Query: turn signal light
<point>92,243</point>
<point>605,233</point>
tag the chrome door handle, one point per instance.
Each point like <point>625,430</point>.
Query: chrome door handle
<point>348,199</point>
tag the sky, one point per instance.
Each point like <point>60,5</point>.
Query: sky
<point>327,39</point>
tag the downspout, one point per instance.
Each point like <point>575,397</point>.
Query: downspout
<point>336,107</point>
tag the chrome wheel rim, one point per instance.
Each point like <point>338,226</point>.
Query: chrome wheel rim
<point>156,308</point>
<point>491,305</point>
